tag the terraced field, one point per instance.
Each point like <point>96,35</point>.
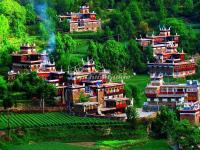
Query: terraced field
<point>53,119</point>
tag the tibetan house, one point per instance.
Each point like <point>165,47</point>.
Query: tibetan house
<point>82,21</point>
<point>168,61</point>
<point>28,59</point>
<point>159,93</point>
<point>191,112</point>
<point>158,42</point>
<point>96,86</point>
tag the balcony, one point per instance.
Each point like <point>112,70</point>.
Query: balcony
<point>114,92</point>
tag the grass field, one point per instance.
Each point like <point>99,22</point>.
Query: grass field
<point>52,119</point>
<point>48,146</point>
<point>151,145</point>
<point>139,81</point>
<point>135,144</point>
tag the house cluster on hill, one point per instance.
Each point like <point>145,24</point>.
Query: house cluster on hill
<point>105,97</point>
<point>168,61</point>
<point>85,91</point>
<point>171,63</point>
<point>28,59</point>
<point>88,91</point>
<point>84,20</point>
<point>185,97</point>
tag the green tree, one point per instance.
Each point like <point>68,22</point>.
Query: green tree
<point>35,86</point>
<point>113,55</point>
<point>186,33</point>
<point>45,92</point>
<point>92,51</point>
<point>173,7</point>
<point>105,4</point>
<point>67,60</point>
<point>64,43</point>
<point>148,54</point>
<point>132,116</point>
<point>4,27</point>
<point>132,92</point>
<point>64,5</point>
<point>30,14</point>
<point>65,25</point>
<point>143,28</point>
<point>164,124</point>
<point>59,43</point>
<point>135,55</point>
<point>3,88</point>
<point>121,34</point>
<point>108,33</point>
<point>188,6</point>
<point>16,15</point>
<point>70,44</point>
<point>196,15</point>
<point>160,7</point>
<point>186,135</point>
<point>135,12</point>
<point>128,26</point>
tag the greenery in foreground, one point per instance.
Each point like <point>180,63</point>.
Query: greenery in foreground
<point>114,144</point>
<point>65,134</point>
<point>138,144</point>
<point>49,146</point>
<point>180,133</point>
<point>166,127</point>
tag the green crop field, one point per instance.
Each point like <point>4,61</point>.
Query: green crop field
<point>53,119</point>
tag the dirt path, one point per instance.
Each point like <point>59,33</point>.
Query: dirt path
<point>84,144</point>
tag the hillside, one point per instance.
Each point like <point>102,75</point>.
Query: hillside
<point>122,20</point>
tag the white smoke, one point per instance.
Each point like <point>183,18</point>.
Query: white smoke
<point>41,9</point>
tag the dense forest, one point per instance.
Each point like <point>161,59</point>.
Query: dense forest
<point>113,47</point>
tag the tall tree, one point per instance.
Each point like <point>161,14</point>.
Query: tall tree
<point>186,135</point>
<point>113,55</point>
<point>4,27</point>
<point>35,86</point>
<point>132,116</point>
<point>160,7</point>
<point>186,33</point>
<point>92,51</point>
<point>16,15</point>
<point>3,88</point>
<point>188,6</point>
<point>165,122</point>
<point>135,55</point>
<point>135,12</point>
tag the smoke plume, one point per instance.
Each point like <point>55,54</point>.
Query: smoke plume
<point>41,8</point>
